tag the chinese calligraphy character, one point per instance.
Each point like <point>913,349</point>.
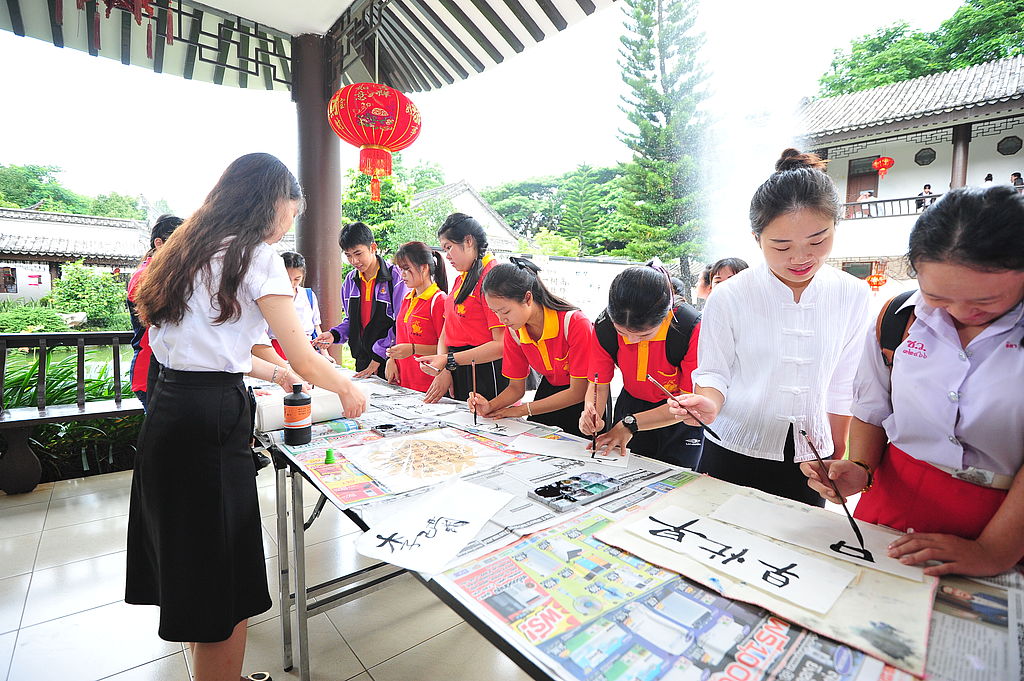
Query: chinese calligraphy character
<point>853,551</point>
<point>675,532</point>
<point>778,577</point>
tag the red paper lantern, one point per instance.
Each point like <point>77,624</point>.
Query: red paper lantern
<point>877,278</point>
<point>379,120</point>
<point>882,165</point>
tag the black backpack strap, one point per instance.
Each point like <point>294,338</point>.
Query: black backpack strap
<point>677,342</point>
<point>607,336</point>
<point>893,325</point>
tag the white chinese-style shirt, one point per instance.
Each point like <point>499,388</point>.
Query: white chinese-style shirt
<point>947,404</point>
<point>779,362</point>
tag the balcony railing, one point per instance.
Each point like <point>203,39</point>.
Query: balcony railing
<point>883,208</point>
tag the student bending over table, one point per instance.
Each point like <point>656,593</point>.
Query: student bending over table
<point>421,317</point>
<point>472,332</point>
<point>644,330</point>
<point>544,332</point>
<point>937,440</point>
<point>195,545</point>
<point>780,342</point>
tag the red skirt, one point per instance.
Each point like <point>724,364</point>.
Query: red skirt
<point>908,493</point>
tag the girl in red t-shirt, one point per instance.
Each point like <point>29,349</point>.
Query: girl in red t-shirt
<point>472,333</point>
<point>421,316</point>
<point>542,332</point>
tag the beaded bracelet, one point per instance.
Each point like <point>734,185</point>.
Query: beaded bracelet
<point>867,469</point>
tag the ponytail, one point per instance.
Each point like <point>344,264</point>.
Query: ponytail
<point>419,254</point>
<point>512,280</point>
<point>640,297</point>
<point>456,228</point>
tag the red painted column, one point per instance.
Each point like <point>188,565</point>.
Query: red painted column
<point>316,234</point>
<point>961,146</point>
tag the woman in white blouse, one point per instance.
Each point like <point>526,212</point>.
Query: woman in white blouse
<point>780,342</point>
<point>937,445</point>
<point>194,537</point>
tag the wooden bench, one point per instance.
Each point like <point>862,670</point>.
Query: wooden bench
<point>20,470</point>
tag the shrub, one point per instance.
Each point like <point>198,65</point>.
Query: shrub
<point>82,289</point>
<point>31,320</point>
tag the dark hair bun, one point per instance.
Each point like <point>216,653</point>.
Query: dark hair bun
<point>792,159</point>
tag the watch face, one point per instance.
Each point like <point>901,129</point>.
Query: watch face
<point>629,420</point>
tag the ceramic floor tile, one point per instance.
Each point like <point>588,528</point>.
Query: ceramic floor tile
<point>6,652</point>
<point>12,601</point>
<point>92,484</point>
<point>455,655</point>
<point>385,623</point>
<point>272,583</point>
<point>170,668</point>
<point>266,477</point>
<point>85,508</point>
<point>330,524</point>
<point>40,493</point>
<point>332,558</point>
<point>365,676</point>
<point>18,554</point>
<point>330,657</point>
<point>90,645</point>
<point>24,519</point>
<point>268,496</point>
<point>74,587</point>
<point>79,542</point>
<point>268,500</point>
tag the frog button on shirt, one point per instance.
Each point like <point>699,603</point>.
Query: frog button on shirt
<point>561,353</point>
<point>646,357</point>
<point>469,323</point>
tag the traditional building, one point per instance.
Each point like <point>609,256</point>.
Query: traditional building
<point>947,130</point>
<point>34,245</point>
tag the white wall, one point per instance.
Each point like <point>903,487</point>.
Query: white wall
<point>906,178</point>
<point>33,280</point>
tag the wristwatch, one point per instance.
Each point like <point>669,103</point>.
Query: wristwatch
<point>630,422</point>
<point>451,365</point>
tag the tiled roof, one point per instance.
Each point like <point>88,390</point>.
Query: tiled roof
<point>995,81</point>
<point>36,233</point>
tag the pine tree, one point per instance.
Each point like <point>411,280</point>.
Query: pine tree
<point>661,206</point>
<point>582,219</point>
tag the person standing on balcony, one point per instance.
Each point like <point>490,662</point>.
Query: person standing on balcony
<point>371,296</point>
<point>988,180</point>
<point>1017,182</point>
<point>473,338</point>
<point>922,203</point>
<point>195,546</point>
<point>780,343</point>
<point>937,440</point>
<point>162,230</point>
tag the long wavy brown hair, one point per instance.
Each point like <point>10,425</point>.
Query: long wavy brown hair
<point>239,213</point>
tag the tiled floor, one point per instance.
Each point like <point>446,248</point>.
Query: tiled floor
<point>62,617</point>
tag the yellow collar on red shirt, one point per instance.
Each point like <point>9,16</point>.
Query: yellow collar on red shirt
<point>660,336</point>
<point>487,260</point>
<point>549,331</point>
<point>427,294</point>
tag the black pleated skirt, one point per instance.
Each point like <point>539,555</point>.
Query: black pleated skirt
<point>678,444</point>
<point>489,379</point>
<point>566,418</point>
<point>195,545</point>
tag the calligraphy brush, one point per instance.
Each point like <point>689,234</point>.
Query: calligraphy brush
<point>593,437</point>
<point>692,415</point>
<point>842,499</point>
<point>473,364</point>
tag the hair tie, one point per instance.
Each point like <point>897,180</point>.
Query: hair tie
<point>524,264</point>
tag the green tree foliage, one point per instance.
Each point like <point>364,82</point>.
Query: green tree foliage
<point>580,204</point>
<point>419,223</point>
<point>979,31</point>
<point>98,294</point>
<point>38,187</point>
<point>660,206</point>
<point>31,319</point>
<point>426,175</point>
<point>356,205</point>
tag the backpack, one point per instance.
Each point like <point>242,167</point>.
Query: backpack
<point>893,326</point>
<point>677,342</point>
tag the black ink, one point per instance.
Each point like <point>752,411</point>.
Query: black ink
<point>675,532</point>
<point>778,577</point>
<point>853,551</point>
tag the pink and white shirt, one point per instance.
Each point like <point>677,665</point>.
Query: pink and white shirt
<point>949,405</point>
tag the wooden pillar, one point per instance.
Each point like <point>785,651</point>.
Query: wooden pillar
<point>961,146</point>
<point>316,235</point>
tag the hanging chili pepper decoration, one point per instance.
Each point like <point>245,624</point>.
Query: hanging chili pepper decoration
<point>149,39</point>
<point>170,25</point>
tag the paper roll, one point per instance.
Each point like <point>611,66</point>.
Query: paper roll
<point>270,408</point>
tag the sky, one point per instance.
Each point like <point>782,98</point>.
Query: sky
<point>123,128</point>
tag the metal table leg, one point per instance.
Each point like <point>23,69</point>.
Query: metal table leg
<point>284,585</point>
<point>301,610</point>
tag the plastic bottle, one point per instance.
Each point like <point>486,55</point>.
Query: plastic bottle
<point>298,417</point>
<point>329,456</point>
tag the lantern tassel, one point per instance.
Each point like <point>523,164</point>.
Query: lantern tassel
<point>375,189</point>
<point>58,12</point>
<point>96,28</point>
<point>149,40</point>
<point>170,25</point>
<point>374,161</point>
